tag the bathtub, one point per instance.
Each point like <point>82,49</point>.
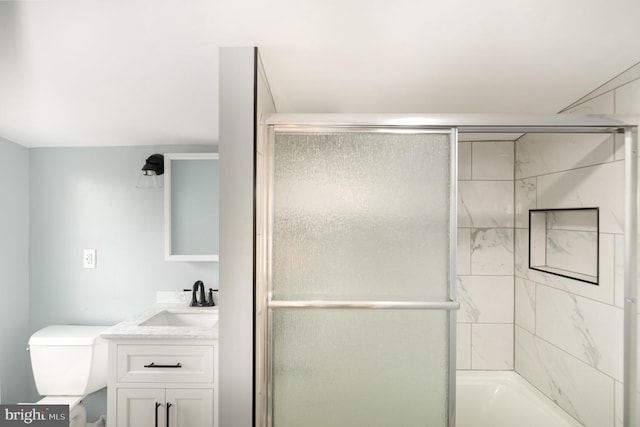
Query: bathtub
<point>504,399</point>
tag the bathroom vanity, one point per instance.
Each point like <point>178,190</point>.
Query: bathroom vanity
<point>163,368</point>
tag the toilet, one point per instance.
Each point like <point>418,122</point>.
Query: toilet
<point>69,362</point>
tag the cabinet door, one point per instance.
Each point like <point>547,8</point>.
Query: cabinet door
<point>190,407</point>
<point>141,407</point>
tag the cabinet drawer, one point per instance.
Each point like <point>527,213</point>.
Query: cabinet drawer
<point>165,363</point>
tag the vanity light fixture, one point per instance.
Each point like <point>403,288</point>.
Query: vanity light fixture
<point>151,173</point>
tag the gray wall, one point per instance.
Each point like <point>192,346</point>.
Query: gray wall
<point>237,78</point>
<point>14,271</point>
<point>86,198</point>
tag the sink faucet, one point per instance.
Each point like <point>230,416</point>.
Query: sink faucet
<point>194,301</point>
<point>199,286</point>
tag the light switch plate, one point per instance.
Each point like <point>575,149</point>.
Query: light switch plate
<point>89,258</point>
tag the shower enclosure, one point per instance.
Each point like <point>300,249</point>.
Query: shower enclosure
<point>355,266</point>
<point>359,289</point>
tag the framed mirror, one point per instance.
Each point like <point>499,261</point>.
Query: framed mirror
<point>191,206</point>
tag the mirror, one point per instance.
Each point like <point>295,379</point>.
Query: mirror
<point>191,206</point>
<point>565,242</point>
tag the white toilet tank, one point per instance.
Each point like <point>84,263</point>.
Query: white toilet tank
<point>69,360</point>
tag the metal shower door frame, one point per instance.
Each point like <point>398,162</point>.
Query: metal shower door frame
<point>452,305</point>
<point>512,124</point>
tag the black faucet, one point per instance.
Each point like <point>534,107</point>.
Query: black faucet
<point>199,286</point>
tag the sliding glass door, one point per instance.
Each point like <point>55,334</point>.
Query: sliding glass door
<point>358,258</point>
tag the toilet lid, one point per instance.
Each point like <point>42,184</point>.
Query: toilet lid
<point>72,401</point>
<point>59,335</point>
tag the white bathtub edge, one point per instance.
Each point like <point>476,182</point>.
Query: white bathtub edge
<point>514,381</point>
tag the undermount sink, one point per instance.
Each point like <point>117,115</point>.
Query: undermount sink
<point>183,318</point>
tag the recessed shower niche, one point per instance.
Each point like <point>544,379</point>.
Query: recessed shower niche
<point>565,242</point>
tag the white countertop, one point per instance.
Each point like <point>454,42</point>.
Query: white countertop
<point>131,329</point>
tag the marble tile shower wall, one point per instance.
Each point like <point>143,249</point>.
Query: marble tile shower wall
<point>569,334</point>
<point>562,335</point>
<point>485,255</point>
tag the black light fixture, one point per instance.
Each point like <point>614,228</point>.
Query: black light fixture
<point>152,171</point>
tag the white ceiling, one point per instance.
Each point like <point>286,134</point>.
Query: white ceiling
<point>132,72</point>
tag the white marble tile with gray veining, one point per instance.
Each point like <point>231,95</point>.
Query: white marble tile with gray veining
<point>492,346</point>
<point>574,220</point>
<point>604,292</point>
<point>492,160</point>
<point>541,154</point>
<point>469,310</point>
<point>485,204</point>
<point>492,251</point>
<point>578,388</point>
<point>573,251</point>
<point>587,329</point>
<point>525,310</point>
<point>599,186</point>
<point>485,299</point>
<point>463,255</point>
<point>525,194</point>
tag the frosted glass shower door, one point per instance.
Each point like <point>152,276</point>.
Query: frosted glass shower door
<point>360,300</point>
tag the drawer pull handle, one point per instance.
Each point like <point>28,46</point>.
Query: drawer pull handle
<point>168,406</point>
<point>153,365</point>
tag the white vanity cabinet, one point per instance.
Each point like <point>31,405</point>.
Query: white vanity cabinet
<point>162,383</point>
<point>164,407</point>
